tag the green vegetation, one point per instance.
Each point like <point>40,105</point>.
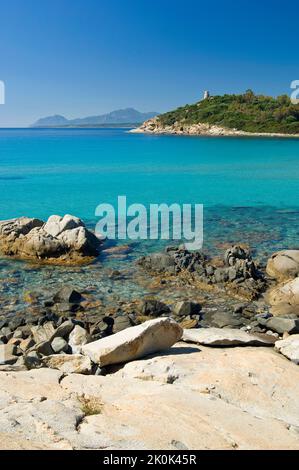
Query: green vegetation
<point>247,112</point>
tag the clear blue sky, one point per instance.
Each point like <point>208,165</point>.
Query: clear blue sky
<point>83,57</point>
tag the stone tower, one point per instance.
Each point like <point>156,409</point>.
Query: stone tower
<point>206,95</point>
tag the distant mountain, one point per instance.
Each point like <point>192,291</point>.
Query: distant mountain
<point>120,116</point>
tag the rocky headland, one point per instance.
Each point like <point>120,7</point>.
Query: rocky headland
<point>217,351</point>
<point>246,114</point>
<point>155,126</point>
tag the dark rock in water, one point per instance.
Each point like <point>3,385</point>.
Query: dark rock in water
<point>186,308</point>
<point>158,262</point>
<point>234,253</point>
<point>154,308</point>
<point>239,270</point>
<point>67,294</point>
<point>66,308</point>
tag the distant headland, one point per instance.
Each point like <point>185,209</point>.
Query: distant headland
<point>128,117</point>
<point>245,114</point>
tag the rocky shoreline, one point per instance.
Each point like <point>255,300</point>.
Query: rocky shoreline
<point>73,356</point>
<point>153,126</point>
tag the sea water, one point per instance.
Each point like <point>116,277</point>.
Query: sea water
<point>249,188</point>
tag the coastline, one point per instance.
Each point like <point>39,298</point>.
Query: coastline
<point>202,129</point>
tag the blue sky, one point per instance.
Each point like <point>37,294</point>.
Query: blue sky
<point>84,57</point>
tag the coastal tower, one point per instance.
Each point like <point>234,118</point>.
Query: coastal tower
<point>206,95</point>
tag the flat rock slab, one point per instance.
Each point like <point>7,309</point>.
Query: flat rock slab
<point>226,398</point>
<point>69,363</point>
<point>289,347</point>
<point>226,337</point>
<point>134,343</point>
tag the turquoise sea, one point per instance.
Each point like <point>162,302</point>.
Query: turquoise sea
<point>249,186</point>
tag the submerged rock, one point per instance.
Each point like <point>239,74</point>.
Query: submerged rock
<point>59,239</point>
<point>226,337</point>
<point>67,294</point>
<point>133,343</point>
<point>236,272</point>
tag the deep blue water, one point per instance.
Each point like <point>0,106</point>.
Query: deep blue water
<point>249,187</point>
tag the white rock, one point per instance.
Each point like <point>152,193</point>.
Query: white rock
<point>78,337</point>
<point>69,363</point>
<point>284,265</point>
<point>60,238</point>
<point>55,224</point>
<point>226,337</point>
<point>289,347</point>
<point>133,343</point>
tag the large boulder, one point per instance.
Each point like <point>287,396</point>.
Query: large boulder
<point>59,239</point>
<point>226,337</point>
<point>289,347</point>
<point>133,343</point>
<point>284,299</point>
<point>284,265</point>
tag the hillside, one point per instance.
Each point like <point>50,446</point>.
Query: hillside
<point>120,116</point>
<point>248,113</point>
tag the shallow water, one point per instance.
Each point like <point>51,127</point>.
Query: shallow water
<point>249,188</point>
